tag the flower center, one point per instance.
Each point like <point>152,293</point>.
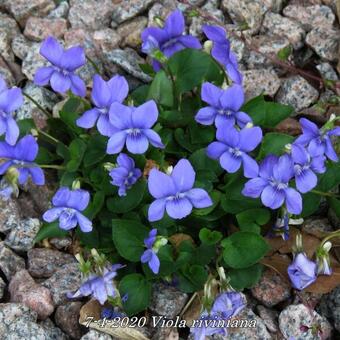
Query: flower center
<point>278,185</point>
<point>176,197</point>
<point>103,110</point>
<point>225,112</point>
<point>299,169</point>
<point>235,152</point>
<point>169,42</point>
<point>133,132</point>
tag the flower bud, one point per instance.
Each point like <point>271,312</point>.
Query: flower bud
<point>158,21</point>
<point>169,169</point>
<point>76,184</point>
<point>288,148</point>
<point>159,243</point>
<point>207,46</point>
<point>108,166</point>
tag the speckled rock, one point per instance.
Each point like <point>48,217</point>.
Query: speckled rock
<point>2,287</point>
<point>259,81</point>
<point>67,316</point>
<point>297,92</point>
<point>327,72</point>
<point>130,32</point>
<point>9,215</point>
<point>106,40</point>
<point>294,316</point>
<point>160,9</point>
<point>53,332</point>
<point>325,42</point>
<point>245,11</point>
<point>43,262</point>
<point>22,237</point>
<point>24,290</point>
<point>20,46</point>
<point>259,332</point>
<point>271,289</point>
<point>167,301</point>
<point>128,60</point>
<point>28,330</point>
<point>215,15</point>
<point>268,45</point>
<point>9,312</point>
<point>96,335</point>
<point>66,279</point>
<point>38,29</point>
<point>165,333</point>
<point>277,24</point>
<point>269,317</point>
<point>88,14</point>
<point>129,8</point>
<point>316,225</point>
<point>60,242</point>
<point>44,97</point>
<point>6,74</point>
<point>310,16</point>
<point>61,11</point>
<point>10,263</point>
<point>8,25</point>
<point>5,47</point>
<point>32,61</point>
<point>330,307</point>
<point>23,9</point>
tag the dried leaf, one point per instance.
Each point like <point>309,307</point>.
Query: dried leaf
<point>92,310</point>
<point>310,243</point>
<point>324,284</point>
<point>194,310</point>
<point>177,239</point>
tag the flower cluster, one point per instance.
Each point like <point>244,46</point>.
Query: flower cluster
<point>148,162</point>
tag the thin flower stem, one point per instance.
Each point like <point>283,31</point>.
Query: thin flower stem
<point>56,141</point>
<point>93,64</point>
<point>38,105</point>
<point>48,166</point>
<point>327,194</point>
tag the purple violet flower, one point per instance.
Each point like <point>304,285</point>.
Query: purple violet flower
<point>125,174</point>
<point>68,205</point>
<point>6,189</point>
<point>302,271</point>
<point>224,106</point>
<point>225,306</point>
<point>232,148</point>
<point>149,256</point>
<point>323,266</point>
<point>10,100</point>
<point>317,140</point>
<point>133,127</point>
<point>21,156</point>
<point>104,93</point>
<point>305,168</point>
<point>175,192</point>
<point>222,52</point>
<point>61,75</point>
<point>206,326</point>
<point>169,39</point>
<point>99,287</point>
<point>272,184</point>
<point>228,304</point>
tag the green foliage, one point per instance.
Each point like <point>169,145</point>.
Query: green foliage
<point>138,292</point>
<point>237,254</point>
<point>253,219</point>
<point>274,143</point>
<point>245,277</point>
<point>49,230</point>
<point>266,114</point>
